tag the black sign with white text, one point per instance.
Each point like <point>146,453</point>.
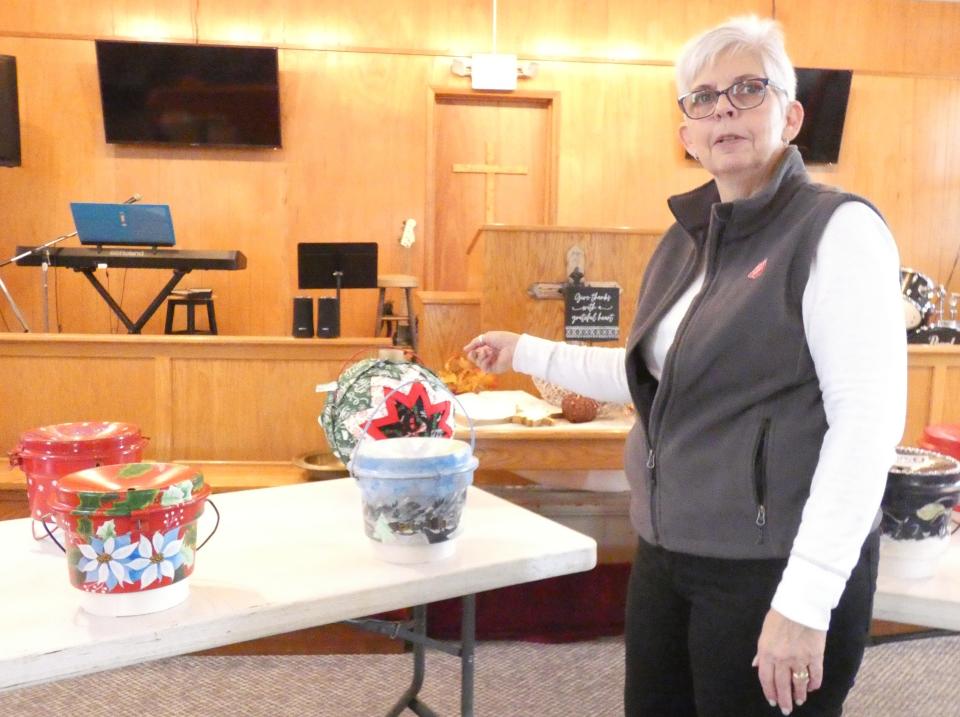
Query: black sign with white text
<point>591,313</point>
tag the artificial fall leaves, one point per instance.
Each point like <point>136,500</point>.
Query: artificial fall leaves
<point>461,376</point>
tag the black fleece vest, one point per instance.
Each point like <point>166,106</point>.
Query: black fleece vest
<point>722,455</point>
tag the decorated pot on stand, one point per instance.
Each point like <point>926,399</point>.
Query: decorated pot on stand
<point>130,534</point>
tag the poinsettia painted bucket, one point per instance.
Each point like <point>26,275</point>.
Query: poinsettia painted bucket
<point>130,534</point>
<point>922,489</point>
<point>48,453</point>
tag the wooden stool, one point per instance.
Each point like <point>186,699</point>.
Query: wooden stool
<point>191,303</point>
<point>397,281</point>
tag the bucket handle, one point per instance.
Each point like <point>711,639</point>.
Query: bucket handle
<point>407,352</point>
<point>216,525</point>
<point>366,426</point>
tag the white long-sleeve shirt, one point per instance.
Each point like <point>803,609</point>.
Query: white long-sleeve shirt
<point>853,321</point>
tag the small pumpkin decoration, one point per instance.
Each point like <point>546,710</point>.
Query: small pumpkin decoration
<point>579,409</point>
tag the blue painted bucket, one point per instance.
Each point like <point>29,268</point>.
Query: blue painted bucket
<point>413,491</point>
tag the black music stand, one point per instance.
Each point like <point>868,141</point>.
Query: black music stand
<point>337,265</point>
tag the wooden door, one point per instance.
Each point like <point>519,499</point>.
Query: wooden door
<point>492,164</point>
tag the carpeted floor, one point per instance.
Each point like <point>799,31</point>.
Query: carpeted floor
<point>514,679</point>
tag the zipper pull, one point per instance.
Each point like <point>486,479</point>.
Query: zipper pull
<point>761,522</point>
<point>651,461</point>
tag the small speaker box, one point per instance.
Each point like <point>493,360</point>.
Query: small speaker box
<point>9,113</point>
<point>328,318</point>
<point>303,317</point>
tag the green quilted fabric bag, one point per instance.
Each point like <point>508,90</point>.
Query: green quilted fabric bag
<point>365,391</point>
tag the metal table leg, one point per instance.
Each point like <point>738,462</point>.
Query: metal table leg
<point>415,632</point>
<point>468,632</point>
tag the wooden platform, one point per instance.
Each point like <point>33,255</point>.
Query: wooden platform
<point>197,397</point>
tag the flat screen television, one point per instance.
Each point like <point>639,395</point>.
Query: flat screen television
<point>824,95</point>
<point>196,95</point>
<point>9,113</point>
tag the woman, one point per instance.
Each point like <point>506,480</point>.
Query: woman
<point>767,363</point>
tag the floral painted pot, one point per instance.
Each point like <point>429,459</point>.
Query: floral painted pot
<point>48,453</point>
<point>922,489</point>
<point>130,534</point>
<point>413,491</point>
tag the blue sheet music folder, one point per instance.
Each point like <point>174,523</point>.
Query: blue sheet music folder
<point>123,224</point>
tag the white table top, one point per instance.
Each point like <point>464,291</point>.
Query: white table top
<point>283,559</point>
<point>932,602</point>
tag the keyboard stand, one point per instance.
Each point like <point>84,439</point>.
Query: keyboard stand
<point>133,327</point>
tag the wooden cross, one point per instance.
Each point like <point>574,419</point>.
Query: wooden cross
<point>490,170</point>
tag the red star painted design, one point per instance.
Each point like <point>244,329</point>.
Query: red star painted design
<point>412,414</point>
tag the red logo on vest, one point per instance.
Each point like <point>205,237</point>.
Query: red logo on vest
<point>758,270</point>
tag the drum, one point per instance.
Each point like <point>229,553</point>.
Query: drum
<point>917,289</point>
<point>933,335</point>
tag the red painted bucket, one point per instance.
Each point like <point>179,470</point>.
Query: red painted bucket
<point>943,438</point>
<point>130,534</point>
<point>48,453</point>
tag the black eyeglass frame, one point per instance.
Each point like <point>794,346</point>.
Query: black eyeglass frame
<point>766,81</point>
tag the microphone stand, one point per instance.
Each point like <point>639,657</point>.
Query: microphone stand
<point>45,265</point>
<point>18,257</point>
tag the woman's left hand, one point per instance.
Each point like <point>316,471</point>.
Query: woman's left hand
<point>789,660</point>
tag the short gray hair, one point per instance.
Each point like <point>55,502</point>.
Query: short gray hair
<point>749,33</point>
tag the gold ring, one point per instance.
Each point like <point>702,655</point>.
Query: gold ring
<point>801,676</point>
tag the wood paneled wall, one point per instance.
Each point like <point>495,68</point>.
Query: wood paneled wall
<point>196,397</point>
<point>354,89</point>
<point>537,255</point>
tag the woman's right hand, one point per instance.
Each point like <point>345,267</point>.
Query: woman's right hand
<point>492,351</point>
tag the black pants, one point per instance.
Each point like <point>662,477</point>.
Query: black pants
<point>692,626</point>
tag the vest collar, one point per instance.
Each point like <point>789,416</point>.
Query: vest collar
<point>695,209</point>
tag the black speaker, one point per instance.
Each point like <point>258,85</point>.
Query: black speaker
<point>303,317</point>
<point>9,113</point>
<point>328,317</point>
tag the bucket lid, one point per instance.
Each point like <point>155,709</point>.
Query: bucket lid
<point>84,437</point>
<point>920,467</point>
<point>412,457</point>
<point>127,487</point>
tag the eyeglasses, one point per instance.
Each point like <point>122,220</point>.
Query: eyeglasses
<point>744,95</point>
